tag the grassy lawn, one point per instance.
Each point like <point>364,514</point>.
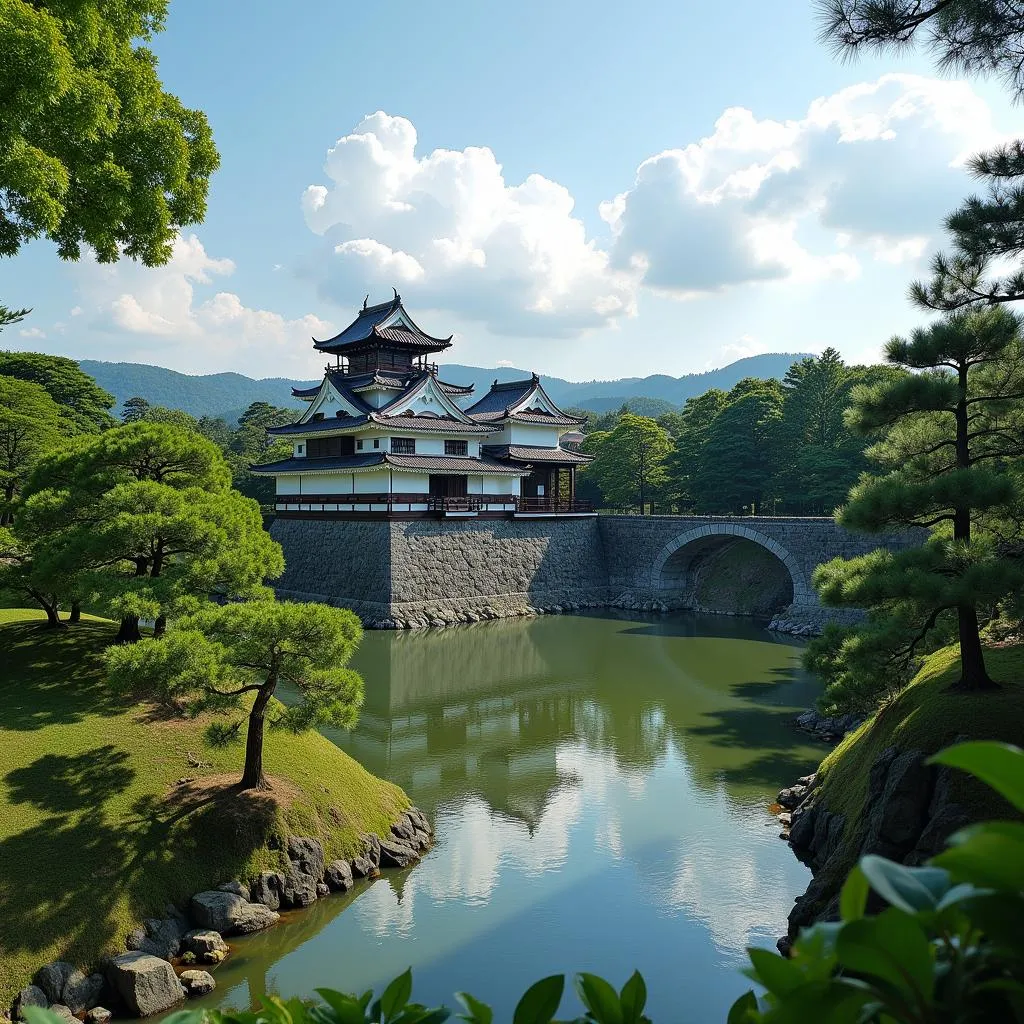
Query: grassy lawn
<point>105,817</point>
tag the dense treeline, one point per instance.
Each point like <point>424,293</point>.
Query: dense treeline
<point>764,447</point>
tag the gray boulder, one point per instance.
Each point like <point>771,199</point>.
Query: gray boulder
<point>396,854</point>
<point>267,889</point>
<point>30,995</point>
<point>299,889</point>
<point>306,856</point>
<point>205,945</point>
<point>82,991</point>
<point>237,888</point>
<point>371,849</point>
<point>404,829</point>
<point>64,1012</point>
<point>197,983</point>
<point>160,936</point>
<point>898,802</point>
<point>145,983</point>
<point>229,914</point>
<point>98,1015</point>
<point>362,868</point>
<point>52,978</point>
<point>338,875</point>
<point>790,798</point>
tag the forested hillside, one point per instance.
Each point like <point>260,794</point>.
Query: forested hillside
<point>227,395</point>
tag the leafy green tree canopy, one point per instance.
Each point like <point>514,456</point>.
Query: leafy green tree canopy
<point>92,149</point>
<point>145,513</point>
<point>31,423</point>
<point>67,384</point>
<point>221,657</point>
<point>629,463</point>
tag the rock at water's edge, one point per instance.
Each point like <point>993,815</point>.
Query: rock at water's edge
<point>229,914</point>
<point>82,992</point>
<point>146,983</point>
<point>338,875</point>
<point>197,983</point>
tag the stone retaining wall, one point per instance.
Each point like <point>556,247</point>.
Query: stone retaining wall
<point>433,572</point>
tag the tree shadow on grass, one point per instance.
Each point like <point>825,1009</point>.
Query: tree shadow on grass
<point>53,676</point>
<point>63,783</point>
<point>74,882</point>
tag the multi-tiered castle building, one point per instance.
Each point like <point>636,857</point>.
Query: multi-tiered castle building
<point>384,436</point>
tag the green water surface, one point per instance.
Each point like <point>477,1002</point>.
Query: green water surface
<point>600,788</point>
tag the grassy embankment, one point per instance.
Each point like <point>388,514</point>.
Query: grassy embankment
<point>97,827</point>
<point>927,716</point>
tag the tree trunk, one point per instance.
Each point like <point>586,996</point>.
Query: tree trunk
<point>76,612</point>
<point>160,625</point>
<point>53,620</point>
<point>252,775</point>
<point>974,677</point>
<point>129,631</point>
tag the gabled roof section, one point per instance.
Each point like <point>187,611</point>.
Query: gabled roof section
<point>525,401</point>
<point>387,323</point>
<point>335,393</point>
<point>426,395</point>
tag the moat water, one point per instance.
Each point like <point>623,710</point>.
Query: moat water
<point>600,788</point>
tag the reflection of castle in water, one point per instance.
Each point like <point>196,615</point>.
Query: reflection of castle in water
<point>481,710</point>
<point>464,712</point>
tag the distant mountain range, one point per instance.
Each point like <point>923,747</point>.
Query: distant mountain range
<point>228,394</point>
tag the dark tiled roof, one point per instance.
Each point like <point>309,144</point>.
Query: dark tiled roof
<point>453,464</point>
<point>525,453</point>
<point>306,392</point>
<point>430,463</point>
<point>455,389</point>
<point>501,396</point>
<point>440,424</point>
<point>560,420</point>
<point>367,329</point>
<point>319,465</point>
<point>316,426</point>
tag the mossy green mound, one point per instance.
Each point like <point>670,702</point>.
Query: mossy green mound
<point>926,716</point>
<point>110,810</point>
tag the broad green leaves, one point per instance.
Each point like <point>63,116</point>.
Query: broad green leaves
<point>997,764</point>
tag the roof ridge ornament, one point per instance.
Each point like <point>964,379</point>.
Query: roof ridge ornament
<point>366,300</point>
<point>398,298</point>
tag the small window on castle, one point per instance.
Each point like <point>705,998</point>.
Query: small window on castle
<point>403,446</point>
<point>359,445</point>
<point>318,416</point>
<point>340,413</point>
<point>456,447</point>
<point>302,449</point>
<point>376,442</point>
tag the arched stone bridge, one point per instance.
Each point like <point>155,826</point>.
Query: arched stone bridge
<point>661,558</point>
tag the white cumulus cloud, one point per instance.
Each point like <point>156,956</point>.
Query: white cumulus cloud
<point>449,230</point>
<point>866,173</point>
<point>175,316</point>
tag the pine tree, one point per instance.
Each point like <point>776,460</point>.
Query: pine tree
<point>144,514</point>
<point>219,656</point>
<point>952,428</point>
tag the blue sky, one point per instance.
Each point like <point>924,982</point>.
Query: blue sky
<point>586,189</point>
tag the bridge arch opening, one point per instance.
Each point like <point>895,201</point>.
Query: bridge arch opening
<point>728,568</point>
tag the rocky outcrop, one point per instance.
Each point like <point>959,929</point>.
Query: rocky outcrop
<point>145,983</point>
<point>30,995</point>
<point>142,978</point>
<point>908,816</point>
<point>205,946</point>
<point>159,936</point>
<point>197,983</point>
<point>830,728</point>
<point>229,914</point>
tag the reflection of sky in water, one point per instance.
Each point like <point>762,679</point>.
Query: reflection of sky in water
<point>613,823</point>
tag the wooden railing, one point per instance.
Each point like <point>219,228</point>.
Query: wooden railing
<point>400,502</point>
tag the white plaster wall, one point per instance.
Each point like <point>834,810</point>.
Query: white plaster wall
<point>409,483</point>
<point>533,434</point>
<point>287,485</point>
